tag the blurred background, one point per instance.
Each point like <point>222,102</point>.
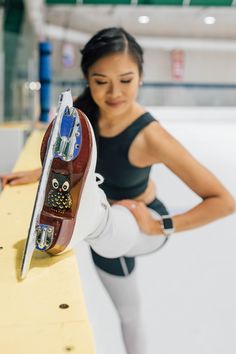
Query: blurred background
<point>188,288</point>
<point>190,49</point>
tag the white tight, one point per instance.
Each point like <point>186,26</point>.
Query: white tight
<point>124,294</point>
<point>121,236</point>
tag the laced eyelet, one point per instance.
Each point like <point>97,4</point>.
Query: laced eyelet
<point>100,178</point>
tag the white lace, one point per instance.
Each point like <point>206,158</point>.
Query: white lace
<point>100,178</point>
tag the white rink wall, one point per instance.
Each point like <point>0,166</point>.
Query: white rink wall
<point>12,141</point>
<point>210,135</point>
<point>188,288</point>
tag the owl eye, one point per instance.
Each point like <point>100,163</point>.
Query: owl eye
<point>55,183</point>
<point>65,186</point>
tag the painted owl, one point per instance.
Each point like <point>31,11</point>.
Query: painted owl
<point>59,197</point>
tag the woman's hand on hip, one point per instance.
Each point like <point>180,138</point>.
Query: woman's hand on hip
<point>145,220</point>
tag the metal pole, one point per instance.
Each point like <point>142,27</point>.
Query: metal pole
<point>45,78</point>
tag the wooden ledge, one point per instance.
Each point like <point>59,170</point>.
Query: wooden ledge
<point>45,313</point>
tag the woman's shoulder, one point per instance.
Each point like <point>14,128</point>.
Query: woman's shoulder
<point>148,117</point>
<point>142,122</point>
<point>142,114</point>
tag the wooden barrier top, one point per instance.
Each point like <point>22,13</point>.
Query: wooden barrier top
<point>45,313</point>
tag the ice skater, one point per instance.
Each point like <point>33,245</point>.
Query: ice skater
<point>132,220</point>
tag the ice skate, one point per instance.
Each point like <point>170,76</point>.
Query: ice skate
<point>69,205</point>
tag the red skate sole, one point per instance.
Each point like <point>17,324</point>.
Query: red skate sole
<point>61,215</point>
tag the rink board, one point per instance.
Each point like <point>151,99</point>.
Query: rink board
<point>32,319</point>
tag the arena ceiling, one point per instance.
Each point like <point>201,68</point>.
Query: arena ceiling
<point>169,26</point>
<point>165,21</point>
<point>147,2</point>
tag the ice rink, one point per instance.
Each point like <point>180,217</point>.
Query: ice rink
<point>188,288</point>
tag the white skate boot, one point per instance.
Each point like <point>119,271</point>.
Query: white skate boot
<point>69,204</point>
<point>74,204</point>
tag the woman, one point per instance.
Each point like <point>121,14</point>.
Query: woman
<point>129,142</point>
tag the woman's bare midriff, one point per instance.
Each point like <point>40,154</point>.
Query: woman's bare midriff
<point>146,197</point>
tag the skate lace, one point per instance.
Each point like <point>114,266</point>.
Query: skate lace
<point>99,178</point>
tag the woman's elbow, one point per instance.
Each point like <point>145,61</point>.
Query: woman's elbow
<point>230,205</point>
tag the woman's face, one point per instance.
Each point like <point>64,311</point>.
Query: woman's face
<point>114,82</point>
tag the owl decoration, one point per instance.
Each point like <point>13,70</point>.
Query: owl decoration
<point>59,197</point>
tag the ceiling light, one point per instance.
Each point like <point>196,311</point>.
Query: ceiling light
<point>143,19</point>
<point>34,85</point>
<point>209,20</point>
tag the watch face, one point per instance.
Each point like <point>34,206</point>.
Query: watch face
<point>167,223</point>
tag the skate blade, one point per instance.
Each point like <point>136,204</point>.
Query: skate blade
<point>27,256</point>
<point>65,100</point>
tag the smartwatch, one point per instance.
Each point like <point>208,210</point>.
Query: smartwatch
<point>167,225</point>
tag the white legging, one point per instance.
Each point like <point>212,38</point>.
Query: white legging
<point>121,235</point>
<point>124,294</point>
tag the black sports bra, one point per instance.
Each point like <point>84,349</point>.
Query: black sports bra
<point>121,179</point>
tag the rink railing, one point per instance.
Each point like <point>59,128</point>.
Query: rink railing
<point>46,312</point>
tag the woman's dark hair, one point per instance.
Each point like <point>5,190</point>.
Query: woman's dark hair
<point>105,42</point>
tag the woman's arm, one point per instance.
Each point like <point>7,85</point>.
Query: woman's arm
<point>21,177</point>
<point>158,146</point>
